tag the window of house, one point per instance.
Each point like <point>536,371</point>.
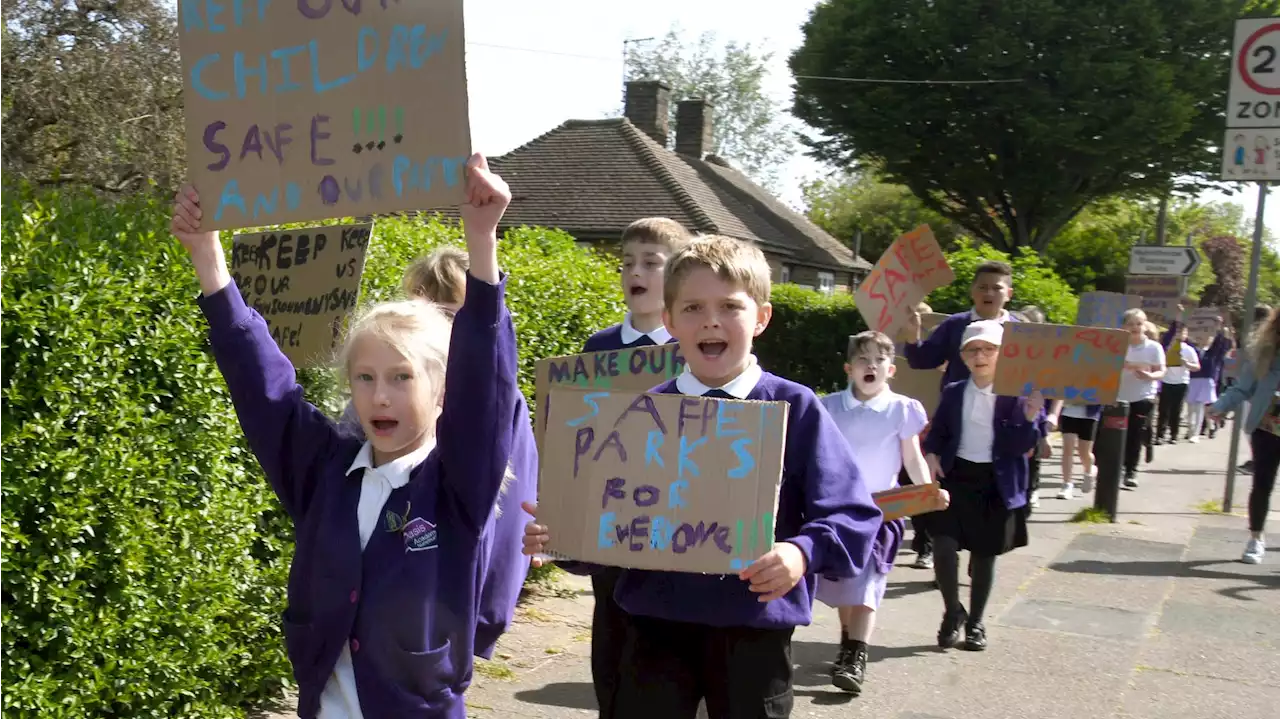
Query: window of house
<point>826,282</point>
<point>784,274</point>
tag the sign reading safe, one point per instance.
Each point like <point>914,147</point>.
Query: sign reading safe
<point>300,111</point>
<point>660,481</point>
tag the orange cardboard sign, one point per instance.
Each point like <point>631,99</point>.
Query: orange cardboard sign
<point>660,481</point>
<point>910,501</point>
<point>1079,365</point>
<point>910,269</point>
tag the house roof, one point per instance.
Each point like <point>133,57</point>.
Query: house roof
<point>592,178</point>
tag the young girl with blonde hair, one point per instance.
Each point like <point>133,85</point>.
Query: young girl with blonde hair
<point>1259,385</point>
<point>382,593</point>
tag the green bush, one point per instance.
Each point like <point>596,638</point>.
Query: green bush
<point>1033,283</point>
<point>808,335</point>
<point>143,573</point>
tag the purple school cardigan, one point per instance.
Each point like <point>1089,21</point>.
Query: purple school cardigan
<point>407,605</point>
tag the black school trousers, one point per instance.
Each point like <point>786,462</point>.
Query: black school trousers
<point>1137,434</point>
<point>742,673</point>
<point>1171,398</point>
<point>608,638</point>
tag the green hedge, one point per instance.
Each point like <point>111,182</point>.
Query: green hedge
<point>140,577</point>
<point>808,335</point>
<point>144,557</point>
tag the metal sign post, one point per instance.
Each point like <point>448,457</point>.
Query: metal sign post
<point>1246,326</point>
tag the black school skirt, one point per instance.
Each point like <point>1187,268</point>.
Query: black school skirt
<point>976,517</point>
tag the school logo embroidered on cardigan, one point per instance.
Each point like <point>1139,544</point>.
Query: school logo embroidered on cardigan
<point>419,535</point>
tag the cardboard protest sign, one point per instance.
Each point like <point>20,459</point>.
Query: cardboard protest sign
<point>317,109</point>
<point>1105,309</point>
<point>660,481</point>
<point>638,369</point>
<point>924,385</point>
<point>1160,296</point>
<point>909,501</point>
<point>1162,310</point>
<point>1079,365</point>
<point>1204,321</point>
<point>304,283</point>
<point>910,269</point>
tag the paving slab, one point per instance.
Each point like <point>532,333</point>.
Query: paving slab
<point>1239,624</point>
<point>1166,695</point>
<point>1083,619</point>
<point>1235,661</point>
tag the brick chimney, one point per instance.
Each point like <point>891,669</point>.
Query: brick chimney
<point>647,106</point>
<point>693,128</point>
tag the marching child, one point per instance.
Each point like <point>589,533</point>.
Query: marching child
<point>647,244</point>
<point>1202,391</point>
<point>977,450</point>
<point>384,585</point>
<point>441,278</point>
<point>883,428</point>
<point>1143,368</point>
<point>727,638</point>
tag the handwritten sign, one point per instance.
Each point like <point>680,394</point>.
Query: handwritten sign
<point>1162,310</point>
<point>909,501</point>
<point>1204,321</point>
<point>910,269</point>
<point>660,481</point>
<point>638,369</point>
<point>1079,365</point>
<point>1160,296</point>
<point>304,283</point>
<point>299,111</point>
<point>1105,309</point>
<point>923,385</point>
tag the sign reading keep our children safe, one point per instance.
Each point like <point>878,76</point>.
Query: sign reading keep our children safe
<point>660,481</point>
<point>301,110</point>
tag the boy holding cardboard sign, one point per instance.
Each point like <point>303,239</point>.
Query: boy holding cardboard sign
<point>721,637</point>
<point>883,428</point>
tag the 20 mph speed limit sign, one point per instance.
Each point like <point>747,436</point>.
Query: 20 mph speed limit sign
<point>1254,97</point>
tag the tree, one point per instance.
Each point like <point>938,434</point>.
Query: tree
<point>844,205</point>
<point>92,93</point>
<point>746,128</point>
<point>1079,100</point>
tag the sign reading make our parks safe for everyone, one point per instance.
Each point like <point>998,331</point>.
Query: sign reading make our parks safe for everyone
<point>1079,365</point>
<point>304,283</point>
<point>660,481</point>
<point>300,110</point>
<point>637,369</point>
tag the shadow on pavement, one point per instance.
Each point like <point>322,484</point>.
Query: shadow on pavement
<point>570,695</point>
<point>1262,579</point>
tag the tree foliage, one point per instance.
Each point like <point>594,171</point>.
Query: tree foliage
<point>1103,97</point>
<point>847,204</point>
<point>92,93</point>
<point>1033,283</point>
<point>747,128</point>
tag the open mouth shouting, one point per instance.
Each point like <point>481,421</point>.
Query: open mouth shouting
<point>869,378</point>
<point>712,349</point>
<point>384,426</point>
<point>637,290</point>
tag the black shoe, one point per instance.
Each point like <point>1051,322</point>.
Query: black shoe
<point>850,669</point>
<point>949,632</point>
<point>1151,454</point>
<point>1130,482</point>
<point>1247,467</point>
<point>924,560</point>
<point>975,637</point>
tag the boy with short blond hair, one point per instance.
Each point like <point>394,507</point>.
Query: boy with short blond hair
<point>727,638</point>
<point>647,244</point>
<point>440,276</point>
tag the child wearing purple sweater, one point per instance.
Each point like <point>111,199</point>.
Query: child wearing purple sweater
<point>385,581</point>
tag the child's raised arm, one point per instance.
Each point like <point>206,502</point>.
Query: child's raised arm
<point>480,381</point>
<point>286,434</point>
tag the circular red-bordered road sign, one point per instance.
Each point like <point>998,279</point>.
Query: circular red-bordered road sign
<point>1242,64</point>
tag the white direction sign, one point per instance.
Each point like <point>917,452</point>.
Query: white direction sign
<point>1254,96</point>
<point>1163,260</point>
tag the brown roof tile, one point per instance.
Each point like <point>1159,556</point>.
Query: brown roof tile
<point>592,178</point>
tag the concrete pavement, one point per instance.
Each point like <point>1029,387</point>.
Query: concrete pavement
<point>1149,618</point>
